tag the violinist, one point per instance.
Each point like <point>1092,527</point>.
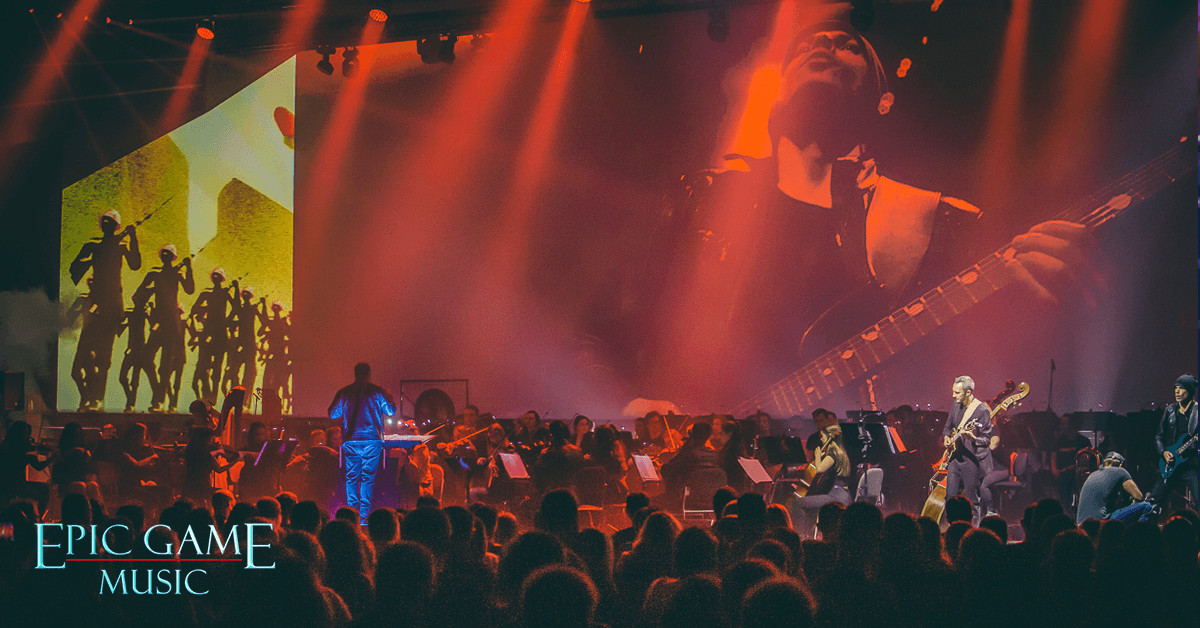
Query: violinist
<point>610,454</point>
<point>584,437</point>
<point>18,451</point>
<point>457,459</point>
<point>486,478</point>
<point>527,428</point>
<point>72,460</point>
<point>255,481</point>
<point>727,440</point>
<point>530,436</point>
<point>659,436</point>
<point>694,454</point>
<point>470,417</point>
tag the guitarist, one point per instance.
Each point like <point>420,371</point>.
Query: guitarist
<point>967,435</point>
<point>815,221</point>
<point>1178,419</point>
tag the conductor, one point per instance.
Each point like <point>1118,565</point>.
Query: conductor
<point>361,407</point>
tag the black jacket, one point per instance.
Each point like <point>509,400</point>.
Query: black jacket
<point>1173,425</point>
<point>976,448</point>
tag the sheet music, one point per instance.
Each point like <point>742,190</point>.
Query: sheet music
<point>646,469</point>
<point>513,466</point>
<point>754,470</point>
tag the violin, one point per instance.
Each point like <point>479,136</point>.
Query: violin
<point>450,446</point>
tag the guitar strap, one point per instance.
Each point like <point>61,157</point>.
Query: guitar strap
<point>967,413</point>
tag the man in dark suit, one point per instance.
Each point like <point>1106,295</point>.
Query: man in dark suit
<point>1178,419</point>
<point>972,458</point>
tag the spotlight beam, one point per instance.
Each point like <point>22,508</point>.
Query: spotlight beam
<point>23,125</point>
<point>531,166</point>
<point>177,106</point>
<point>998,152</point>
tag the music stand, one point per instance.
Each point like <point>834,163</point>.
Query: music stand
<point>645,468</point>
<point>513,466</point>
<point>273,457</point>
<point>754,470</point>
<point>276,452</point>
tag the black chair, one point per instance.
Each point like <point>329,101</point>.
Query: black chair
<point>698,492</point>
<point>1018,470</point>
<point>591,490</point>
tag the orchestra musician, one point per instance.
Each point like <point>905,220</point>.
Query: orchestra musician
<point>558,464</point>
<point>488,483</point>
<point>419,477</point>
<point>529,430</point>
<point>727,440</point>
<point>659,437</point>
<point>200,462</point>
<point>584,437</point>
<point>136,463</point>
<point>829,456</point>
<point>18,451</point>
<point>457,459</point>
<point>610,454</point>
<point>256,481</point>
<point>693,454</point>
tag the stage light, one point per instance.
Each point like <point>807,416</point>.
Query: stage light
<point>718,24</point>
<point>378,15</point>
<point>446,50</point>
<point>204,30</point>
<point>349,61</point>
<point>325,65</point>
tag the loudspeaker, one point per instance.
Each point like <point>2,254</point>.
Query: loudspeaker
<point>12,393</point>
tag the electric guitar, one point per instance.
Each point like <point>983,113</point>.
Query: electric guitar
<point>1184,447</point>
<point>864,352</point>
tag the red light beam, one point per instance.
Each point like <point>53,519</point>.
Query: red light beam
<point>22,125</point>
<point>177,106</point>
